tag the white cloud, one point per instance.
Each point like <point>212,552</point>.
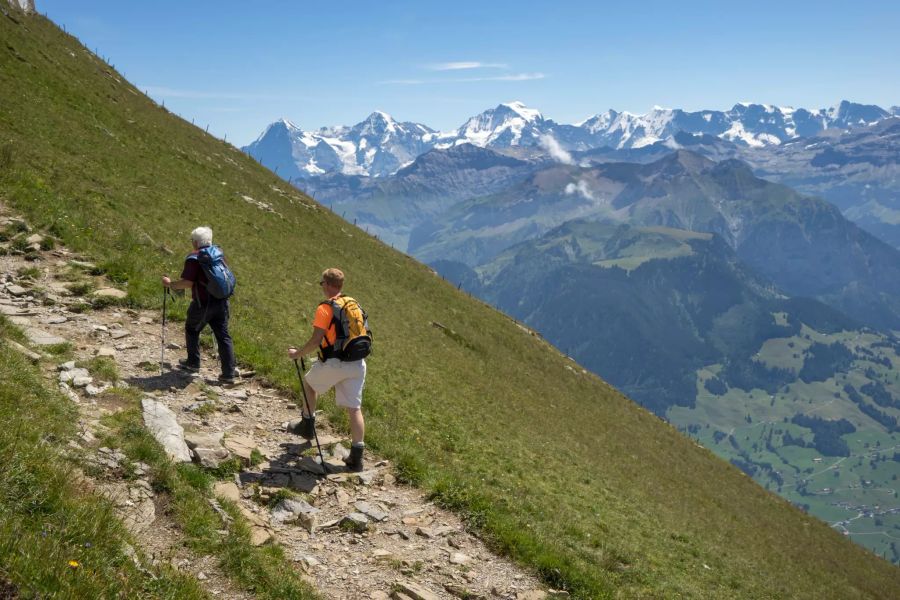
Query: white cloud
<point>462,65</point>
<point>511,77</point>
<point>581,188</point>
<point>557,152</point>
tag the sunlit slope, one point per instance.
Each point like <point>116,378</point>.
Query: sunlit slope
<point>559,469</point>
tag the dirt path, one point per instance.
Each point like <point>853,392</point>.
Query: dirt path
<point>353,535</point>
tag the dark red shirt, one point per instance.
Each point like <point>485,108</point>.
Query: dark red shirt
<point>193,272</point>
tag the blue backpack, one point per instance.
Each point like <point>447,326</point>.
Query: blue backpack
<point>220,281</point>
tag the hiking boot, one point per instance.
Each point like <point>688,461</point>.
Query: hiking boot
<point>227,379</point>
<point>305,427</point>
<point>354,462</point>
<point>184,365</point>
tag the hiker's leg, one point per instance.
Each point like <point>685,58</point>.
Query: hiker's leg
<point>218,322</point>
<point>357,425</point>
<point>348,393</point>
<point>311,398</point>
<point>193,324</point>
<point>320,378</point>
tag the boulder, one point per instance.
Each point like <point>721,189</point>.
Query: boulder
<point>356,522</point>
<point>161,423</point>
<point>211,458</point>
<point>70,374</point>
<point>290,510</point>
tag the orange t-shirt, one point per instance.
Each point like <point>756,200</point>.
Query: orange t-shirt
<point>322,320</point>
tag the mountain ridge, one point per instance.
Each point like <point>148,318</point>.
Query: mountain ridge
<point>512,124</point>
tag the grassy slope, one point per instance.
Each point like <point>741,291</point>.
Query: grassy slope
<point>558,468</point>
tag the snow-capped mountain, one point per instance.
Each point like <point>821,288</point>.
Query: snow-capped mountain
<point>509,124</point>
<point>380,146</point>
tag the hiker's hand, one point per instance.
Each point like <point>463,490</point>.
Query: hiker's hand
<point>293,353</point>
<point>166,281</point>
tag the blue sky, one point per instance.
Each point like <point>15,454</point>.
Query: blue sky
<point>240,65</point>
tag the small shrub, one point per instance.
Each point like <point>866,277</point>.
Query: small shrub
<point>61,350</point>
<point>28,273</point>
<point>80,307</point>
<point>102,367</point>
<point>206,409</point>
<point>81,288</point>
<point>47,243</point>
<point>226,469</point>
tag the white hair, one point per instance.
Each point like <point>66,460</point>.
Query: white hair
<point>202,236</point>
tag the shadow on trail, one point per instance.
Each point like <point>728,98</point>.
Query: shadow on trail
<point>167,380</point>
<point>296,468</point>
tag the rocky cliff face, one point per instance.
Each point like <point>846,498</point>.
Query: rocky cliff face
<point>24,5</point>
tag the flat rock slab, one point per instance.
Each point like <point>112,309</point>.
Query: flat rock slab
<point>202,439</point>
<point>82,264</point>
<point>373,512</point>
<point>32,356</point>
<point>416,591</point>
<point>12,311</point>
<point>303,482</point>
<point>241,446</point>
<point>165,428</point>
<point>110,293</point>
<point>16,290</point>
<point>39,337</point>
<point>228,490</point>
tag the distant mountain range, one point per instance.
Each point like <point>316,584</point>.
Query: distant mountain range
<point>380,145</point>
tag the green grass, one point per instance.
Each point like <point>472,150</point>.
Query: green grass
<point>102,368</point>
<point>60,351</point>
<point>47,518</point>
<point>554,467</point>
<point>29,273</point>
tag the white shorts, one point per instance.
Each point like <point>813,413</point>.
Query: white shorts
<point>347,379</point>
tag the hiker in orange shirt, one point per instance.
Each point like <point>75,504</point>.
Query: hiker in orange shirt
<point>341,336</point>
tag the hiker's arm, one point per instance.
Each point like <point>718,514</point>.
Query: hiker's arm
<point>312,344</point>
<point>181,284</point>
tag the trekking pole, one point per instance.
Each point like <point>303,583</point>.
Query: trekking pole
<point>311,415</point>
<point>162,350</point>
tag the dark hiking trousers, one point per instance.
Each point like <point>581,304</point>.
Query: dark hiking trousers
<point>213,312</point>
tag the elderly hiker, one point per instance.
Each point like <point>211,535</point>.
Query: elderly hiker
<point>211,283</point>
<point>343,340</point>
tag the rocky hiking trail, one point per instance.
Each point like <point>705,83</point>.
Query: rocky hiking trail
<point>351,535</point>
